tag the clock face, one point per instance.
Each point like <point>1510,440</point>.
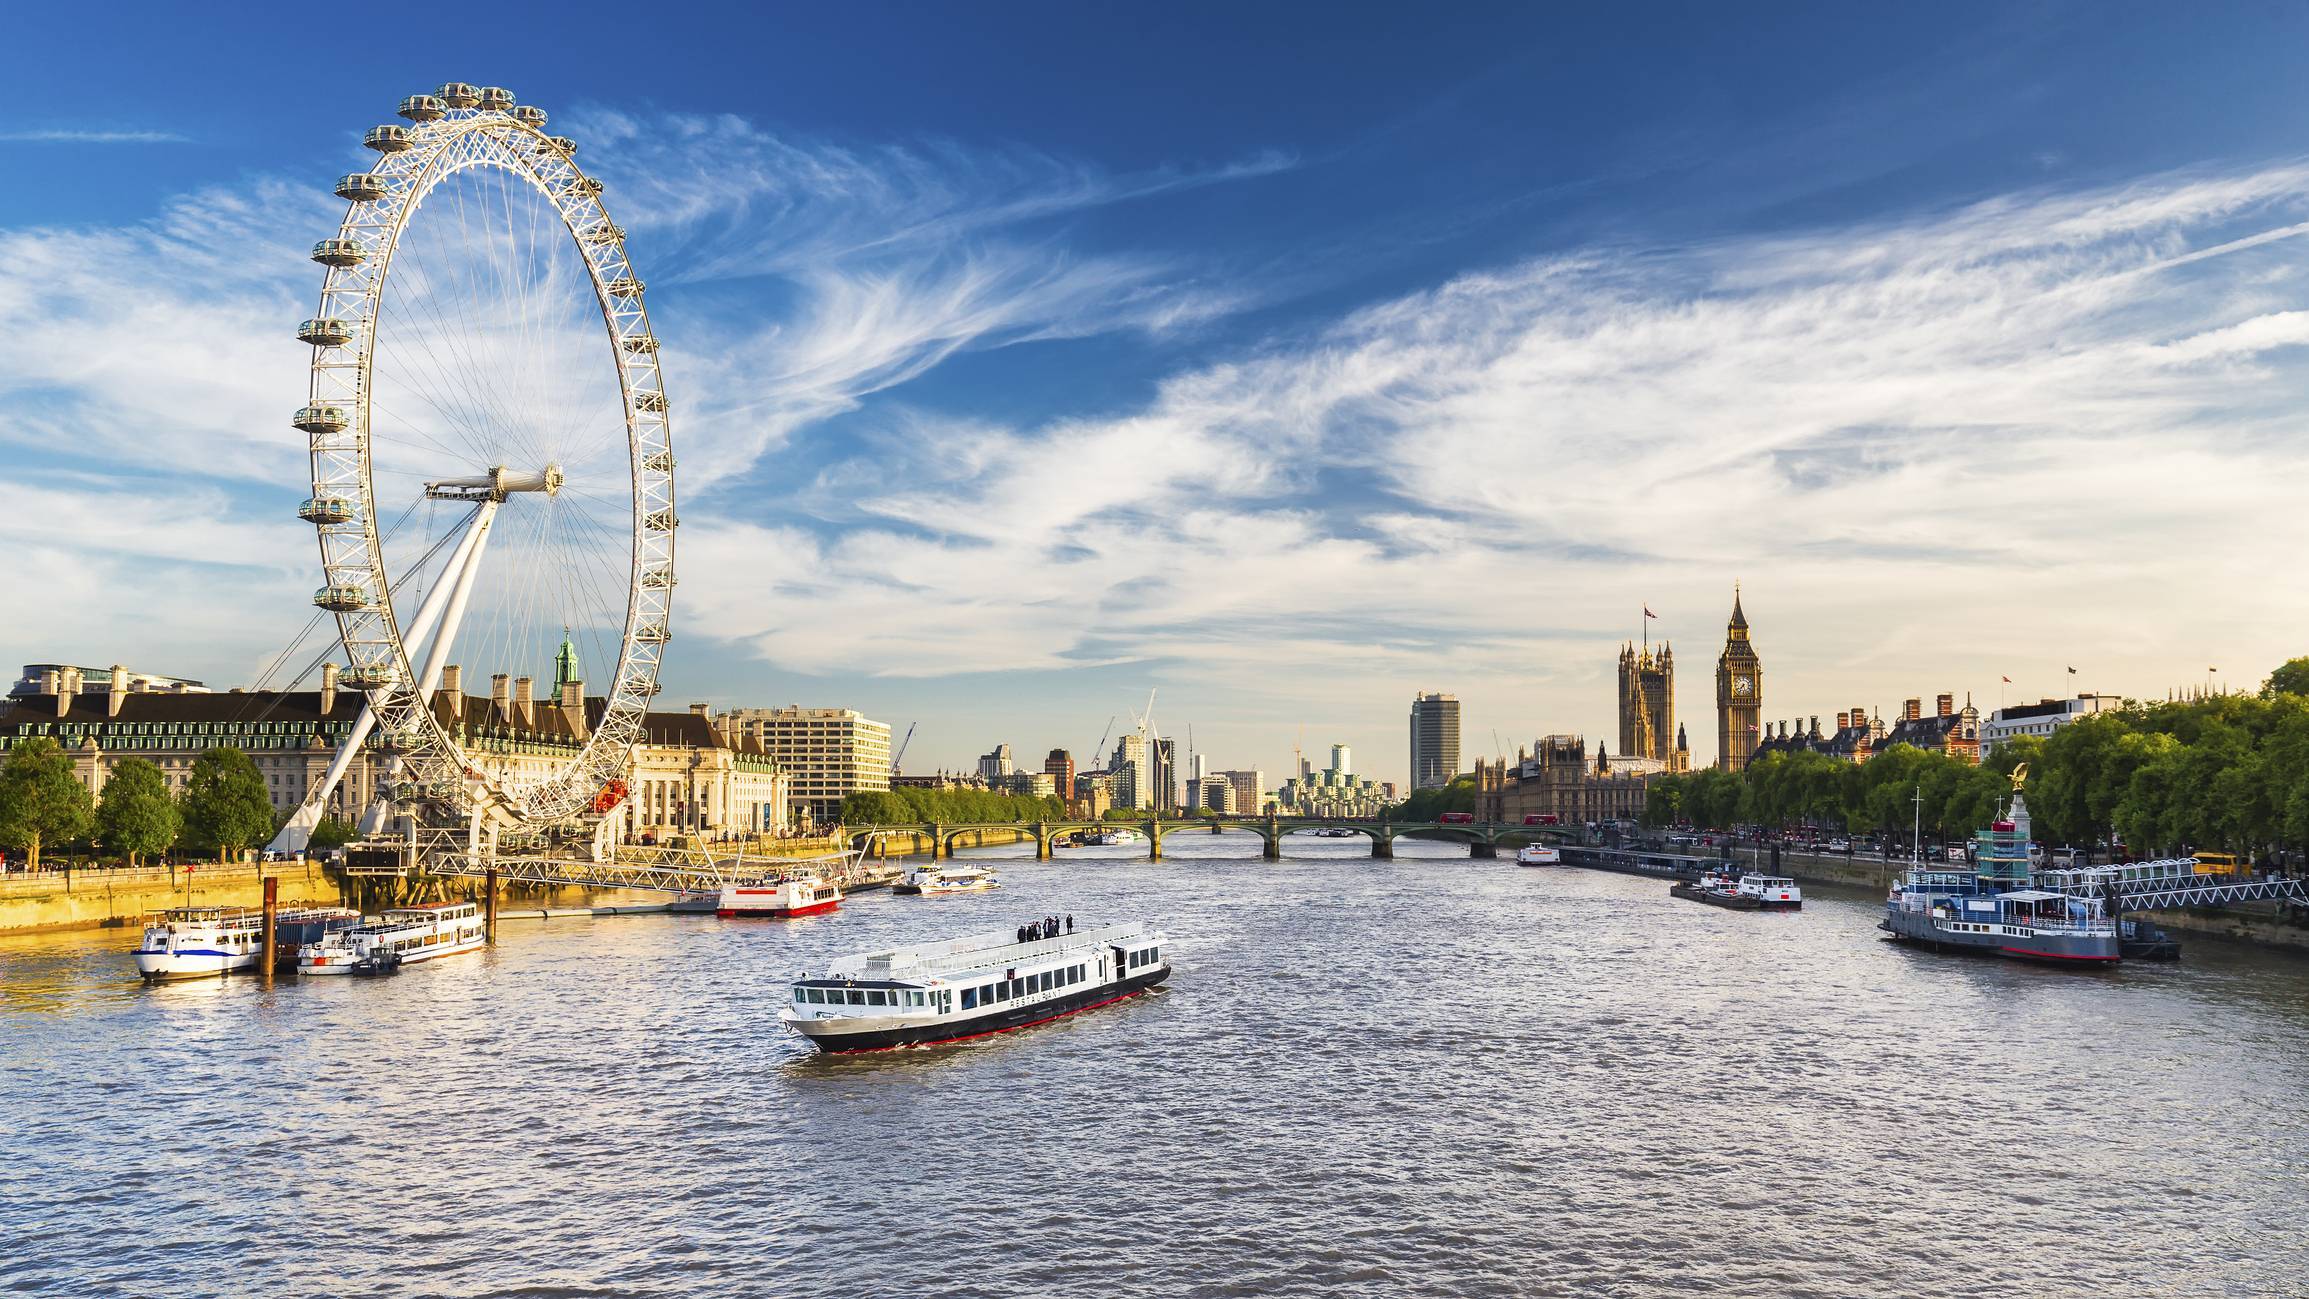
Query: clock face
<point>1743,686</point>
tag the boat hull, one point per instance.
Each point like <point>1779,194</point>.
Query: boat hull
<point>1730,902</point>
<point>770,911</point>
<point>1005,1020</point>
<point>172,967</point>
<point>1916,928</point>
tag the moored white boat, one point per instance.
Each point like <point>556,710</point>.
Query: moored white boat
<point>947,877</point>
<point>792,895</point>
<point>969,987</point>
<point>200,942</point>
<point>1539,854</point>
<point>1772,892</point>
<point>401,936</point>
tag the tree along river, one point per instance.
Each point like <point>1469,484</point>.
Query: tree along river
<point>1430,1076</point>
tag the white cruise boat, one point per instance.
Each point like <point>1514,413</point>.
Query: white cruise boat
<point>947,877</point>
<point>970,987</point>
<point>791,895</point>
<point>1539,854</point>
<point>200,942</point>
<point>401,936</point>
<point>1772,892</point>
<point>1116,838</point>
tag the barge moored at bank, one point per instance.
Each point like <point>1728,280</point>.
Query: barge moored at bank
<point>780,899</point>
<point>1996,907</point>
<point>970,987</point>
<point>401,936</point>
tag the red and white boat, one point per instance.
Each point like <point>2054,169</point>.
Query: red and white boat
<point>793,895</point>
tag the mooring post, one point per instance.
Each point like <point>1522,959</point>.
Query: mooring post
<point>489,906</point>
<point>271,949</point>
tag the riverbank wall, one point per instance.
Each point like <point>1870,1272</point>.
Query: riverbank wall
<point>112,897</point>
<point>119,897</point>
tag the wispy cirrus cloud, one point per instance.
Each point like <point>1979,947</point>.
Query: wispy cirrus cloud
<point>61,135</point>
<point>2042,405</point>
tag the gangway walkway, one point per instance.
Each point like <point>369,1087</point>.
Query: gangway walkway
<point>661,870</point>
<point>2203,891</point>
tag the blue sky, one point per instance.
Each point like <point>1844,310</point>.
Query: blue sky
<point>1290,360</point>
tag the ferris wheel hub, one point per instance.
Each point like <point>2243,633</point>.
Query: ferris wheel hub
<point>497,484</point>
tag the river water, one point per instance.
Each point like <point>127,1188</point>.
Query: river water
<point>1431,1076</point>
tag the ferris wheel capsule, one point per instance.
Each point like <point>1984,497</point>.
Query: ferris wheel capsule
<point>389,138</point>
<point>563,143</point>
<point>326,511</point>
<point>653,402</point>
<point>457,94</point>
<point>361,187</point>
<point>361,677</point>
<point>342,599</point>
<point>494,99</point>
<point>642,345</point>
<point>321,418</point>
<point>422,108</point>
<point>324,332</point>
<point>340,252</point>
<point>624,286</point>
<point>529,116</point>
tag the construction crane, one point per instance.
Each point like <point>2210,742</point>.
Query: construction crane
<point>1098,754</point>
<point>900,755</point>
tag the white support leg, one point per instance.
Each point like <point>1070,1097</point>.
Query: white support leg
<point>295,835</point>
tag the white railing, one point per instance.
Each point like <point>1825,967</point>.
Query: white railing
<point>978,951</point>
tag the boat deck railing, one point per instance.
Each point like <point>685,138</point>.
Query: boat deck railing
<point>976,952</point>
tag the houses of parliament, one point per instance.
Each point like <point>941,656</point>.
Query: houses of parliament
<point>1559,776</point>
<point>1647,699</point>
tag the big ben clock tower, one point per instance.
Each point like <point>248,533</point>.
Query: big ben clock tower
<point>1739,694</point>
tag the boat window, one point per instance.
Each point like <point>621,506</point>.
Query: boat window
<point>969,998</point>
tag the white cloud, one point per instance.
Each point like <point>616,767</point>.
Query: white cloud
<point>66,136</point>
<point>2047,427</point>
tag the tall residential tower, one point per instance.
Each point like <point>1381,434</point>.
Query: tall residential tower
<point>1434,740</point>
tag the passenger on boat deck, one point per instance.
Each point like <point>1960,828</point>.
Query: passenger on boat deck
<point>1070,924</point>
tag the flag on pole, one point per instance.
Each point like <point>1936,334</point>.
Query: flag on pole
<point>1648,612</point>
<point>2008,681</point>
<point>2072,672</point>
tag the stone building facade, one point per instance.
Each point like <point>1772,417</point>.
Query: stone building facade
<point>686,776</point>
<point>1557,777</point>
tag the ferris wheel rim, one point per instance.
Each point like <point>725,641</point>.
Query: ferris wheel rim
<point>382,203</point>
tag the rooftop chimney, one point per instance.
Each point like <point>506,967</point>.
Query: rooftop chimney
<point>573,706</point>
<point>499,698</point>
<point>67,685</point>
<point>1947,704</point>
<point>1815,726</point>
<point>524,702</point>
<point>1843,720</point>
<point>118,693</point>
<point>453,684</point>
<point>328,688</point>
<point>1912,710</point>
<point>700,710</point>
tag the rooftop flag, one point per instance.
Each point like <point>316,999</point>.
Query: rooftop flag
<point>1648,612</point>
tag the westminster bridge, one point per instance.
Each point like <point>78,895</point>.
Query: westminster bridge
<point>939,839</point>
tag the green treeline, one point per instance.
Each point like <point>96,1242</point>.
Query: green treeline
<point>1428,804</point>
<point>900,806</point>
<point>2228,773</point>
<point>225,808</point>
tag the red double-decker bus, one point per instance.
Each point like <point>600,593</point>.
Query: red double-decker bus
<point>1456,818</point>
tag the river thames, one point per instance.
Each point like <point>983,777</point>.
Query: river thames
<point>1430,1076</point>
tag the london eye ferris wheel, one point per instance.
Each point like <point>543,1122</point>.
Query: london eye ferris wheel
<point>492,467</point>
